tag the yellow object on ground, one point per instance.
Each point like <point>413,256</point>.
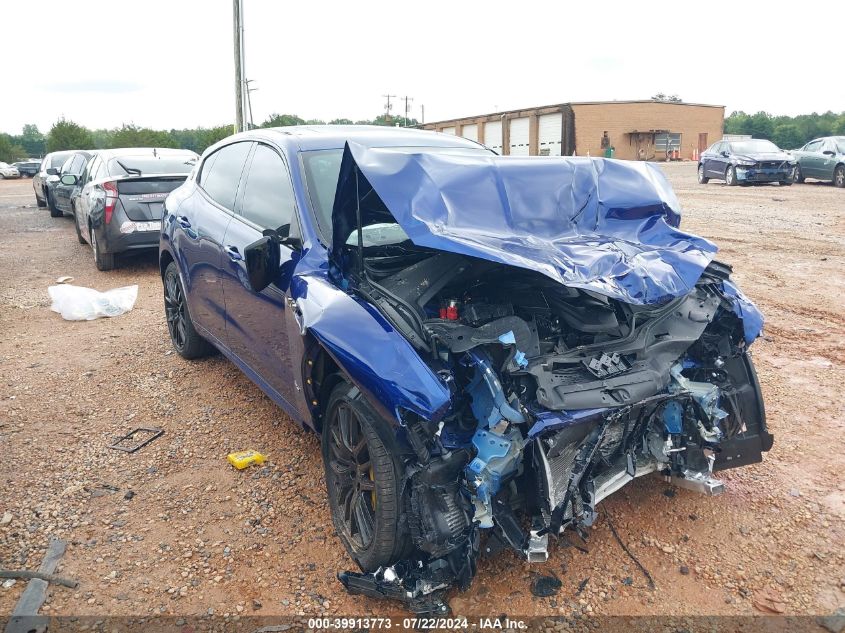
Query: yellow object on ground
<point>242,459</point>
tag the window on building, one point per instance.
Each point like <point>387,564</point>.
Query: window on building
<point>662,140</point>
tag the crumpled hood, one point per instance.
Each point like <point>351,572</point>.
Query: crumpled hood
<point>602,225</point>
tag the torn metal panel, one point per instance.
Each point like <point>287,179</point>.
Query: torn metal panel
<point>596,224</point>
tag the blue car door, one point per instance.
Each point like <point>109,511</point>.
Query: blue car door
<point>256,327</point>
<point>201,223</point>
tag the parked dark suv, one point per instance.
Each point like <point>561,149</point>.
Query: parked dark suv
<point>475,337</point>
<point>122,194</point>
<point>27,168</point>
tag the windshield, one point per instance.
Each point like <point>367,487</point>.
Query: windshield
<point>140,165</point>
<point>754,146</point>
<point>840,144</point>
<point>322,169</point>
<point>4,165</point>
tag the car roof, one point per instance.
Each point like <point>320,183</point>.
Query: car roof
<point>315,137</point>
<point>108,154</point>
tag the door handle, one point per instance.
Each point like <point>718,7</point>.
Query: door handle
<point>184,222</point>
<point>234,255</point>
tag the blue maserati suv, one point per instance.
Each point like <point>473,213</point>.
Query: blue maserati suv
<point>476,338</point>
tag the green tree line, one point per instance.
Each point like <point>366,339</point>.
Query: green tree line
<point>784,131</point>
<point>64,134</point>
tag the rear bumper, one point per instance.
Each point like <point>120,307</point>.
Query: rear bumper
<point>113,241</point>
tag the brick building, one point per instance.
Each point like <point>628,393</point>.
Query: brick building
<point>637,130</point>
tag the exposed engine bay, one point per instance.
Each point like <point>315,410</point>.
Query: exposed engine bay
<point>560,396</point>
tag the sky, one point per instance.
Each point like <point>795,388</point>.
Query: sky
<point>169,63</point>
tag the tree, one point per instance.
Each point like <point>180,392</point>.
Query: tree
<point>134,136</point>
<point>668,98</point>
<point>9,150</point>
<point>68,135</point>
<point>787,136</point>
<point>340,122</point>
<point>32,140</point>
<point>282,120</point>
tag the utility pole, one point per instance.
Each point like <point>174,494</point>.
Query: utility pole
<point>239,68</point>
<point>406,99</point>
<point>249,91</point>
<point>422,113</point>
<point>388,107</point>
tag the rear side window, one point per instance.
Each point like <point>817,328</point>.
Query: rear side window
<point>221,173</point>
<point>56,160</point>
<point>268,199</point>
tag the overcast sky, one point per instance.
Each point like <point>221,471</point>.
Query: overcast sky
<point>169,63</point>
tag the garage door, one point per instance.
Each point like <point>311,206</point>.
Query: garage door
<point>470,132</point>
<point>448,130</point>
<point>493,135</point>
<point>550,131</point>
<point>519,136</point>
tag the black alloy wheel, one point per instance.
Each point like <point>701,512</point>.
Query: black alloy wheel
<point>185,339</point>
<point>363,479</point>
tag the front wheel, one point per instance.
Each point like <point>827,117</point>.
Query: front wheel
<point>702,179</point>
<point>839,176</point>
<point>797,175</point>
<point>730,176</point>
<point>364,479</point>
<point>41,203</point>
<point>185,339</point>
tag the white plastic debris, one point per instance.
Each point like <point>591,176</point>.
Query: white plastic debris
<point>76,303</point>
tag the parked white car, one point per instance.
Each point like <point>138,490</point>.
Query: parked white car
<point>7,171</point>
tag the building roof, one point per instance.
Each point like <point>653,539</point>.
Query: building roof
<point>569,103</point>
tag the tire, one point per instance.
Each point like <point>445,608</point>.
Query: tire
<point>54,212</point>
<point>730,176</point>
<point>839,176</point>
<point>702,179</point>
<point>185,339</point>
<point>76,226</point>
<point>798,176</point>
<point>364,480</point>
<point>104,261</point>
<point>786,183</point>
<point>41,203</point>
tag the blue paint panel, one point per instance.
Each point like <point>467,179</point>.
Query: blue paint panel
<point>603,225</point>
<point>377,358</point>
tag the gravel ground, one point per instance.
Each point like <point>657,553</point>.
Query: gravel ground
<point>173,529</point>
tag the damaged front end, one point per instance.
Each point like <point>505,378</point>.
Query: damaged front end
<point>560,395</point>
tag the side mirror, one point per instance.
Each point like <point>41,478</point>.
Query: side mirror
<point>725,153</point>
<point>262,262</point>
<point>69,179</point>
<point>52,171</point>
